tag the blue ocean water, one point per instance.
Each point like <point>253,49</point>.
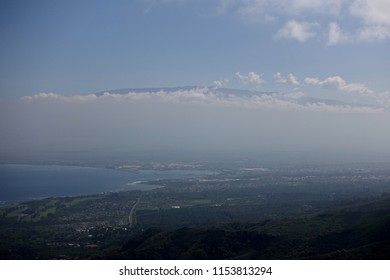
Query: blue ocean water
<point>20,182</point>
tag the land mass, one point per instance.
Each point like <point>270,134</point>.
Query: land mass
<point>240,213</point>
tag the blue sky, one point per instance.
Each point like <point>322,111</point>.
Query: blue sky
<point>79,47</point>
<point>324,64</point>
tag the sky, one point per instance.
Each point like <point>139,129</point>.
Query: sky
<point>316,75</point>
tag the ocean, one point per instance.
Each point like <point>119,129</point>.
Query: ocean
<point>19,182</point>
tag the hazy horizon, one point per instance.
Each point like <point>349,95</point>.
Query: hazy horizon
<point>283,80</point>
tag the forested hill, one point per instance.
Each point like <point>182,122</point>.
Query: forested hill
<point>355,232</point>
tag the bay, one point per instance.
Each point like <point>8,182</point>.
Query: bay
<point>19,182</point>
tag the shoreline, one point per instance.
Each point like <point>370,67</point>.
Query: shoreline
<point>29,182</point>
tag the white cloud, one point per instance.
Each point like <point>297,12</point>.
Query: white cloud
<point>336,35</point>
<point>372,11</point>
<point>372,24</point>
<point>266,11</point>
<point>221,83</point>
<point>376,18</point>
<point>384,99</point>
<point>205,97</point>
<point>290,79</point>
<point>294,95</point>
<point>335,82</point>
<point>257,11</point>
<point>251,78</point>
<point>300,31</point>
<point>374,32</point>
<point>338,83</point>
<point>58,97</point>
<point>279,78</point>
<point>373,18</point>
<point>312,81</point>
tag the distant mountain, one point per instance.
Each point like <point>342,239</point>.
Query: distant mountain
<point>185,88</point>
<point>237,92</point>
<point>139,90</point>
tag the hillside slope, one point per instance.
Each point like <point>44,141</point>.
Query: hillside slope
<point>355,232</point>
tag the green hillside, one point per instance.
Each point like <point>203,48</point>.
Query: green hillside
<point>355,232</point>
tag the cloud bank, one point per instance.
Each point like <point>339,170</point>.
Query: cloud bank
<point>290,79</point>
<point>206,96</point>
<point>251,78</point>
<point>300,31</point>
<point>190,120</point>
<point>338,83</point>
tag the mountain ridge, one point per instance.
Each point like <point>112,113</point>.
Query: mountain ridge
<point>236,92</point>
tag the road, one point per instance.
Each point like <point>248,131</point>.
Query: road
<point>132,213</point>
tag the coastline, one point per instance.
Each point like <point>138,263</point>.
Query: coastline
<point>26,182</point>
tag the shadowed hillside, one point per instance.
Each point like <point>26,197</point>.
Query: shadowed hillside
<point>355,232</point>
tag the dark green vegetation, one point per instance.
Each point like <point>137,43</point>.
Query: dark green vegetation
<point>292,213</point>
<point>355,232</point>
